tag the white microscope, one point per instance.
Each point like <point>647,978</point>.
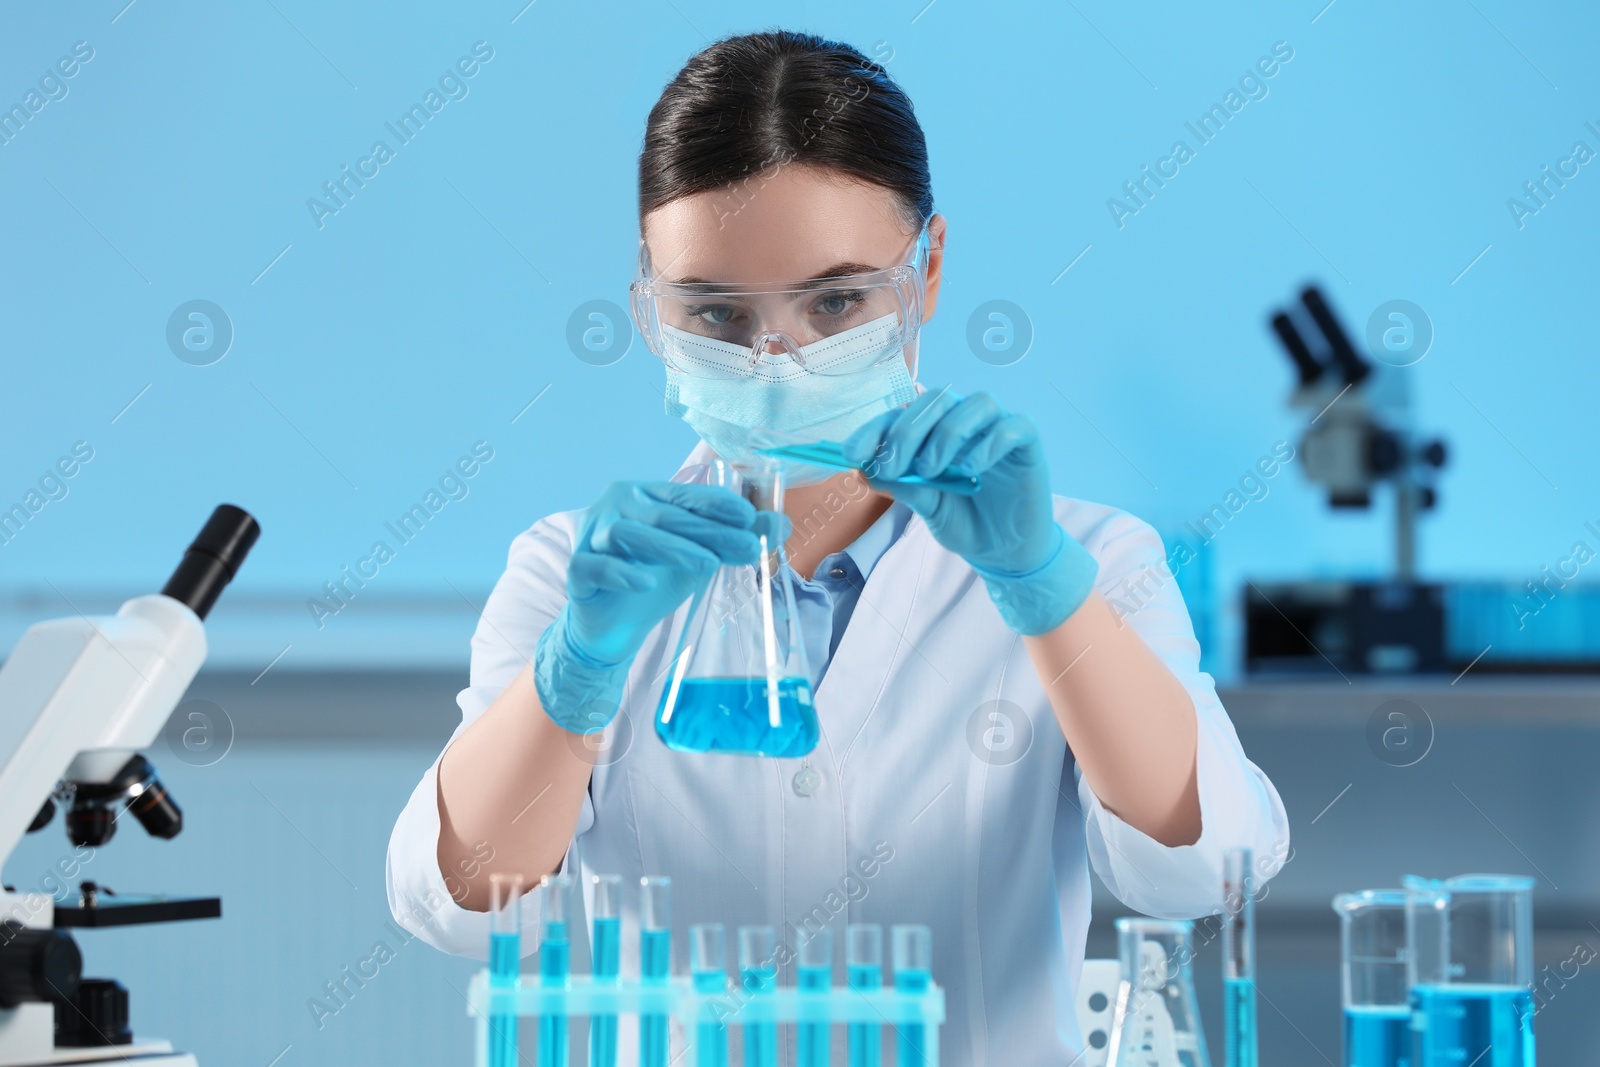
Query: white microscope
<point>1357,439</point>
<point>80,698</point>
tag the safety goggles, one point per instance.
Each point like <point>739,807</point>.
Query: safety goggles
<point>782,330</point>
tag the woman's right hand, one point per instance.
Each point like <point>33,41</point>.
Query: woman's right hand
<point>643,548</point>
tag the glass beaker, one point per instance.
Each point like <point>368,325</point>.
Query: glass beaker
<point>740,681</point>
<point>1374,991</point>
<point>1156,1022</point>
<point>1469,965</point>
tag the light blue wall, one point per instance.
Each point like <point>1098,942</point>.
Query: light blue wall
<point>428,312</point>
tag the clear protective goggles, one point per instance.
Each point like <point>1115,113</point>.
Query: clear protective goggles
<point>778,331</point>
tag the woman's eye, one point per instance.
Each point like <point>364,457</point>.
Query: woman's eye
<point>838,303</point>
<point>716,314</point>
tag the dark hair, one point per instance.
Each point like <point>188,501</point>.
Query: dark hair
<point>762,100</point>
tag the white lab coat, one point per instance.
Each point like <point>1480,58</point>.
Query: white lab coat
<point>931,809</point>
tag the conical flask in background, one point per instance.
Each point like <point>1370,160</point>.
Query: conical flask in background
<point>740,682</point>
<point>1156,1022</point>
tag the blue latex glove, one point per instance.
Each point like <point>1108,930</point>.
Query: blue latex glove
<point>643,548</point>
<point>1036,575</point>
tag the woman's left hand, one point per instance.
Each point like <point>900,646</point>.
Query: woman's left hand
<point>1008,525</point>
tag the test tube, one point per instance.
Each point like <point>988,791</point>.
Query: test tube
<point>814,975</point>
<point>1377,1009</point>
<point>708,968</point>
<point>758,976</point>
<point>655,962</point>
<point>1239,957</point>
<point>913,973</point>
<point>606,952</point>
<point>555,955</point>
<point>505,962</point>
<point>863,955</point>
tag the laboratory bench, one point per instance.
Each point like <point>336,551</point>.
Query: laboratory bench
<point>323,760</point>
<point>1484,699</point>
<point>417,704</point>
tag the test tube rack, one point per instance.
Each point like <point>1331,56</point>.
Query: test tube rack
<point>583,995</point>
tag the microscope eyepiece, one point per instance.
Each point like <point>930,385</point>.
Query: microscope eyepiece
<point>1304,362</point>
<point>1349,362</point>
<point>212,560</point>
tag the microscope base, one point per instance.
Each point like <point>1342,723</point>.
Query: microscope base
<point>27,1039</point>
<point>141,1053</point>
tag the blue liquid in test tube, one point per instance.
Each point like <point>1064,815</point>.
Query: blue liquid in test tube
<point>655,963</point>
<point>814,975</point>
<point>555,962</point>
<point>1239,957</point>
<point>606,950</point>
<point>913,961</point>
<point>758,975</point>
<point>864,969</point>
<point>505,962</point>
<point>708,969</point>
<point>1239,1019</point>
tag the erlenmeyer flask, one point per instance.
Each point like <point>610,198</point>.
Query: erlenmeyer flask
<point>1156,1022</point>
<point>740,682</point>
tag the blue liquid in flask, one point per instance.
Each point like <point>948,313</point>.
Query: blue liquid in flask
<point>1481,1025</point>
<point>733,715</point>
<point>607,953</point>
<point>866,1042</point>
<point>1239,1010</point>
<point>655,958</point>
<point>1377,1037</point>
<point>505,966</point>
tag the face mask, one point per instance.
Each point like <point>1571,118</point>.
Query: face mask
<point>850,382</point>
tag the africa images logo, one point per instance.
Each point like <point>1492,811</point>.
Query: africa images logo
<point>452,86</point>
<point>1204,129</point>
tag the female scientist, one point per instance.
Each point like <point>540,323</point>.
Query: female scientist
<point>988,721</point>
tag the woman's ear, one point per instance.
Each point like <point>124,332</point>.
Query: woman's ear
<point>930,300</point>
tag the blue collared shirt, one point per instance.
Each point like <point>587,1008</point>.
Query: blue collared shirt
<point>826,601</point>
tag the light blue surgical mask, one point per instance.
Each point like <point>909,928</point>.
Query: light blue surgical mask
<point>836,387</point>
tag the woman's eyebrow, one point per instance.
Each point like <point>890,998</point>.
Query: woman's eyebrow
<point>838,270</point>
